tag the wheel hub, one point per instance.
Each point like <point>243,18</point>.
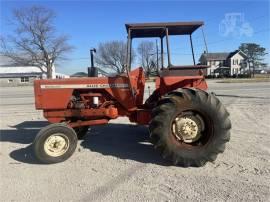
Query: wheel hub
<point>56,145</point>
<point>188,128</point>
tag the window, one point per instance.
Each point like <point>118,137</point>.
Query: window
<point>10,81</point>
<point>235,62</point>
<point>24,79</point>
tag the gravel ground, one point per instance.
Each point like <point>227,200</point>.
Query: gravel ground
<point>115,162</point>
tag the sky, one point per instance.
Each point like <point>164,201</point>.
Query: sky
<point>88,23</point>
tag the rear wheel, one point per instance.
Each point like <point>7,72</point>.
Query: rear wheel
<point>55,143</point>
<point>190,127</point>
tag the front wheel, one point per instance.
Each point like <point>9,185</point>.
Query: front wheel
<point>190,127</point>
<point>55,143</point>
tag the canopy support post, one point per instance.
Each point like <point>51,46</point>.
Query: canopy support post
<point>157,55</point>
<point>130,56</point>
<point>168,48</point>
<point>190,37</point>
<point>162,52</point>
<point>128,62</point>
<point>128,51</point>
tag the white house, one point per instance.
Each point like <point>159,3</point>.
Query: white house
<point>224,63</point>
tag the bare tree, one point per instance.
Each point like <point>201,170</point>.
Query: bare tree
<point>112,56</point>
<point>34,41</point>
<point>147,55</point>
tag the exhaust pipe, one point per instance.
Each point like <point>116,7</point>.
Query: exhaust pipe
<point>92,71</point>
<point>92,51</point>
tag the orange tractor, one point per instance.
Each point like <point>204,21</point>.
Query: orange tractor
<point>186,124</point>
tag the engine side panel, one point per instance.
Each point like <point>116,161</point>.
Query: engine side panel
<point>54,94</point>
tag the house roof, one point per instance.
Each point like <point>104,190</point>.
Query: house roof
<point>216,56</point>
<point>222,56</point>
<point>19,69</point>
<point>140,30</point>
<point>14,72</point>
<point>238,51</point>
<point>18,75</point>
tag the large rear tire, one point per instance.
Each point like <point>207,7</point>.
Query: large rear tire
<point>190,127</point>
<point>55,143</point>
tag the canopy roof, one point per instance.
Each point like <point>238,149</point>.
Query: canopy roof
<point>140,30</point>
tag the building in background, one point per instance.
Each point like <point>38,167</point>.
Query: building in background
<point>100,73</point>
<point>79,74</point>
<point>226,64</point>
<point>12,74</point>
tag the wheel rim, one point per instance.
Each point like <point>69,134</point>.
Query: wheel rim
<point>188,127</point>
<point>56,145</point>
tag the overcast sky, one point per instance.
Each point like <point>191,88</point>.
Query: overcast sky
<point>227,24</point>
